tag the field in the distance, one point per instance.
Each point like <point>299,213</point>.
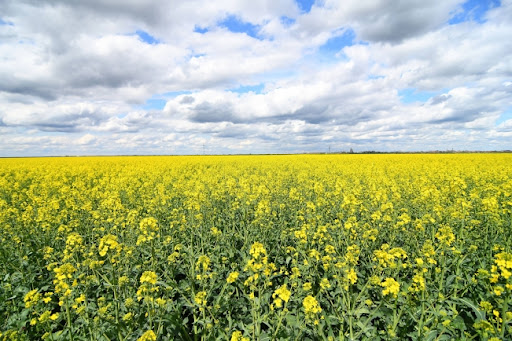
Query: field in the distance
<point>256,247</point>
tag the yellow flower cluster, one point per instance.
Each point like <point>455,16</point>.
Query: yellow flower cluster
<point>63,276</point>
<point>390,287</point>
<point>148,228</point>
<point>503,262</point>
<point>238,336</point>
<point>147,286</point>
<point>258,265</point>
<point>445,235</point>
<point>311,305</point>
<point>203,263</point>
<point>280,295</point>
<point>233,276</point>
<point>200,298</point>
<point>147,336</point>
<point>388,257</point>
<point>31,298</point>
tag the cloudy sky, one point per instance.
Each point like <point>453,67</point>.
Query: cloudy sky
<point>82,77</point>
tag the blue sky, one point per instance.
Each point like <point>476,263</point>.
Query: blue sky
<point>146,37</point>
<point>305,5</point>
<point>237,25</point>
<point>254,77</point>
<point>473,10</point>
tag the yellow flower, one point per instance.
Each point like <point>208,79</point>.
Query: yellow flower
<point>306,286</point>
<point>351,276</point>
<point>352,255</point>
<point>486,306</point>
<point>129,302</point>
<point>80,299</point>
<point>418,283</point>
<point>388,258</point>
<point>215,231</point>
<point>200,298</point>
<point>238,336</point>
<point>445,235</point>
<point>257,249</point>
<point>280,295</point>
<point>324,283</point>
<point>203,262</point>
<point>484,325</point>
<point>295,272</point>
<point>390,287</point>
<point>232,277</point>
<point>45,316</point>
<point>149,277</point>
<point>173,257</point>
<point>108,242</point>
<point>311,305</point>
<point>148,280</point>
<point>498,290</point>
<point>330,249</point>
<point>31,298</point>
<point>148,230</point>
<point>148,336</point>
<point>123,280</point>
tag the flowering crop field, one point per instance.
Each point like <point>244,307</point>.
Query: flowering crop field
<point>302,247</point>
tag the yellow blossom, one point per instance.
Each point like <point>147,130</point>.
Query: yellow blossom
<point>232,277</point>
<point>238,336</point>
<point>498,290</point>
<point>311,305</point>
<point>149,277</point>
<point>281,294</point>
<point>306,286</point>
<point>31,298</point>
<point>390,287</point>
<point>203,263</point>
<point>200,298</point>
<point>324,283</point>
<point>148,336</point>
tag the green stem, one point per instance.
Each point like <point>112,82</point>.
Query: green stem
<point>116,302</point>
<point>116,309</point>
<point>281,315</point>
<point>368,320</point>
<point>350,315</point>
<point>420,326</point>
<point>503,315</point>
<point>68,316</point>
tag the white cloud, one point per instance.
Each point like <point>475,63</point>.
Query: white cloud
<point>76,77</point>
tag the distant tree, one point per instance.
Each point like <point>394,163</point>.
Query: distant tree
<point>351,151</point>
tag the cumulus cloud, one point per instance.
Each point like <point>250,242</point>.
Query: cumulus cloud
<point>87,77</point>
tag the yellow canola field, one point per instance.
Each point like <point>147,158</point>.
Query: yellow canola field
<point>304,247</point>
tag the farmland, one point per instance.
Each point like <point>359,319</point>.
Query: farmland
<point>319,247</point>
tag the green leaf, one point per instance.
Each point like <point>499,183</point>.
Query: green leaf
<point>431,335</point>
<point>361,311</point>
<point>479,314</point>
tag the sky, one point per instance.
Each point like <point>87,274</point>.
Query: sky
<point>125,77</point>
